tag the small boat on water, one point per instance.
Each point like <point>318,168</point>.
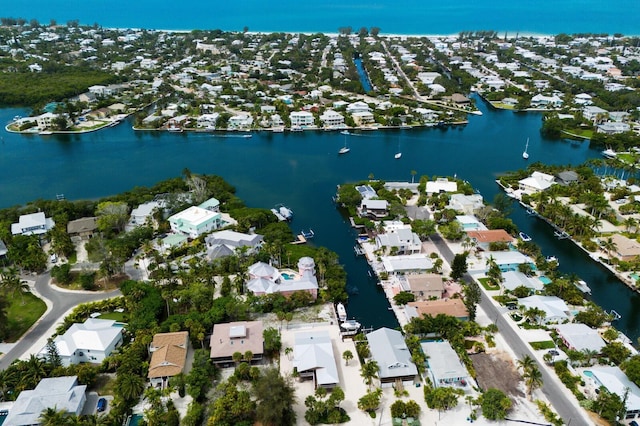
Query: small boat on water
<point>342,312</point>
<point>583,287</point>
<point>345,148</point>
<point>561,235</point>
<point>308,234</point>
<point>283,211</point>
<point>345,132</point>
<point>350,325</point>
<point>398,155</point>
<point>525,154</point>
<point>247,136</point>
<point>609,153</point>
<point>524,237</point>
<point>552,259</point>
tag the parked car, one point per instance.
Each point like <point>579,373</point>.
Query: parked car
<point>102,405</point>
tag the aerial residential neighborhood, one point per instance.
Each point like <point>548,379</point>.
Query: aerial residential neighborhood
<point>178,303</point>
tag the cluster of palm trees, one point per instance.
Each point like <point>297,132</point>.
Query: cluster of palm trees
<point>531,374</point>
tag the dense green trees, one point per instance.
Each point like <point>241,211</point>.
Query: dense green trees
<point>275,396</point>
<point>495,404</point>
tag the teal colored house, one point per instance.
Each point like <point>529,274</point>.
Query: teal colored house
<point>195,221</point>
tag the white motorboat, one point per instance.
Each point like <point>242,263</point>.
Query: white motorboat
<point>284,212</point>
<point>583,287</point>
<point>398,155</point>
<point>609,153</point>
<point>525,154</point>
<point>524,237</point>
<point>350,325</point>
<point>550,259</point>
<point>342,312</point>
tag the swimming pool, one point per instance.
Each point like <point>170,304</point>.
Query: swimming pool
<point>588,373</point>
<point>544,280</point>
<point>635,276</point>
<point>287,276</point>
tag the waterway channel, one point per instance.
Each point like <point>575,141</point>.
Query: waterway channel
<point>302,170</point>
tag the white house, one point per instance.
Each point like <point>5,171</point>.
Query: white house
<point>144,212</point>
<point>580,337</point>
<point>32,224</point>
<point>507,260</point>
<point>92,341</point>
<point>240,122</point>
<point>358,106</point>
<point>540,100</point>
<point>330,118</point>
<point>313,357</point>
<point>407,263</point>
<point>265,279</point>
<point>441,185</point>
<point>45,121</point>
<point>445,367</point>
<point>301,119</point>
<point>195,221</point>
<point>392,355</point>
<point>537,182</point>
<point>615,381</point>
<point>555,309</point>
<point>62,393</point>
<point>404,240</point>
<point>466,204</point>
<point>363,117</point>
<point>225,243</point>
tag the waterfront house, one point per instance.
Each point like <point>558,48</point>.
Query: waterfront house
<point>195,221</point>
<point>398,240</point>
<point>555,309</point>
<point>301,119</point>
<point>441,185</point>
<point>567,177</point>
<point>143,214</point>
<point>423,286</point>
<point>91,341</point>
<point>408,263</point>
<point>363,118</point>
<point>366,191</point>
<point>240,122</point>
<point>392,355</point>
<point>32,224</point>
<point>507,260</point>
<point>375,209</point>
<point>613,128</point>
<point>83,227</point>
<point>59,393</point>
<point>615,381</point>
<point>537,182</point>
<point>241,336</point>
<point>173,240</point>
<point>358,107</point>
<point>433,308</point>
<point>580,337</point>
<point>265,279</point>
<point>330,119</point>
<point>444,365</point>
<point>313,358</point>
<point>514,279</point>
<point>466,204</point>
<point>626,249</point>
<point>593,113</point>
<point>484,237</point>
<point>45,121</point>
<point>168,357</point>
<point>227,242</point>
<point>212,204</point>
<point>542,101</point>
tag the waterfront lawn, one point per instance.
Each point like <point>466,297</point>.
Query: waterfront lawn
<point>487,285</point>
<point>547,344</point>
<point>23,312</point>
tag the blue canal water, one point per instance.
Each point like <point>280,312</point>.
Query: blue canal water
<point>302,170</point>
<point>407,17</point>
<point>364,78</point>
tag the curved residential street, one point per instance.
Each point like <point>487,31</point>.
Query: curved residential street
<point>556,392</point>
<point>58,303</point>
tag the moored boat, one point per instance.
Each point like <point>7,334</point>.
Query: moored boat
<point>341,311</point>
<point>524,237</point>
<point>583,287</point>
<point>350,325</point>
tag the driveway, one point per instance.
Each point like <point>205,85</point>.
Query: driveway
<point>58,304</point>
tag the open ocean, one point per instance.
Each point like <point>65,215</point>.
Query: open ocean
<point>392,17</point>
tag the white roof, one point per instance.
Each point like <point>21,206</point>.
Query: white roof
<point>406,262</point>
<point>94,334</point>
<point>194,215</point>
<point>375,204</point>
<point>617,382</point>
<point>443,361</point>
<point>144,210</point>
<point>63,393</point>
<point>441,185</point>
<point>514,279</point>
<point>553,306</point>
<point>507,257</point>
<point>313,350</point>
<point>390,351</point>
<point>580,337</point>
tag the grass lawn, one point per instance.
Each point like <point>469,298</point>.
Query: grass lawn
<point>99,283</point>
<point>547,344</point>
<point>23,312</point>
<point>487,285</point>
<point>116,316</point>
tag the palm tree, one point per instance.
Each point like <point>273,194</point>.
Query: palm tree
<point>129,386</point>
<point>248,356</point>
<point>526,363</point>
<point>533,379</point>
<point>369,371</point>
<point>347,356</point>
<point>34,369</point>
<point>11,282</point>
<point>609,246</point>
<point>53,417</point>
<point>288,351</point>
<point>237,357</point>
<point>589,354</point>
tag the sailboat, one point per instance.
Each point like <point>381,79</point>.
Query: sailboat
<point>525,154</point>
<point>345,148</point>
<point>398,154</point>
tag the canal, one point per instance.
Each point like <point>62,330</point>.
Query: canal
<point>302,170</point>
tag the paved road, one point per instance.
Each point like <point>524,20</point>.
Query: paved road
<point>61,302</point>
<point>552,387</point>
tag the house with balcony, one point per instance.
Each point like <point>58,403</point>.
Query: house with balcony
<point>301,119</point>
<point>266,279</point>
<point>375,209</point>
<point>331,118</point>
<point>32,224</point>
<point>398,238</point>
<point>423,286</point>
<point>240,122</point>
<point>537,182</point>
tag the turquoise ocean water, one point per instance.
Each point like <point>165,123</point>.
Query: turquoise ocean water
<point>407,17</point>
